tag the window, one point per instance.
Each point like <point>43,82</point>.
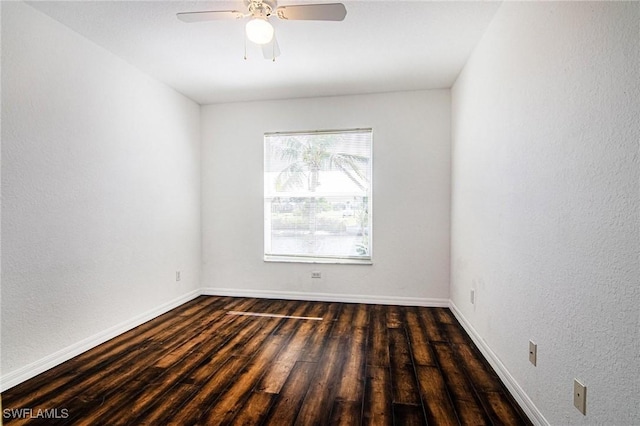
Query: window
<point>317,196</point>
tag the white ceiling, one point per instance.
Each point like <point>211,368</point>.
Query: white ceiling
<point>381,46</point>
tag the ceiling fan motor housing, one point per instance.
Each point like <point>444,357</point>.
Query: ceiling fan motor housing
<point>260,8</point>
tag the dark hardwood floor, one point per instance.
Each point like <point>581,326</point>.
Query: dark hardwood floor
<point>198,364</point>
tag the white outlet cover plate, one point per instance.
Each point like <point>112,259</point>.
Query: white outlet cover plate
<point>580,396</point>
<point>533,352</point>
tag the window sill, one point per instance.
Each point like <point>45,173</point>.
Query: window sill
<point>322,260</point>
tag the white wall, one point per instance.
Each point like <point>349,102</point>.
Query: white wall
<point>100,192</point>
<point>545,202</point>
<point>411,172</point>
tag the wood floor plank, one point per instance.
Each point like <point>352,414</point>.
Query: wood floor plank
<point>403,379</point>
<point>399,349</point>
<point>346,413</point>
<point>437,405</point>
<point>198,364</point>
<point>378,409</point>
<point>431,326</point>
<point>378,339</point>
<point>299,309</point>
<point>455,334</point>
<point>344,321</point>
<point>408,415</point>
<point>316,407</point>
<point>394,316</point>
<point>361,316</point>
<point>302,331</point>
<point>315,345</point>
<point>444,316</point>
<point>418,339</point>
<point>285,409</point>
<point>483,377</point>
<point>227,406</point>
<point>352,379</point>
<point>255,410</point>
<point>198,404</point>
<point>275,378</point>
<point>463,395</point>
<point>501,411</point>
<point>171,404</point>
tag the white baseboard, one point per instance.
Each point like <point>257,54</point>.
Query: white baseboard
<point>40,366</point>
<point>510,382</point>
<point>327,297</point>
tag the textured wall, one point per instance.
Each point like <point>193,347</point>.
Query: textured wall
<point>410,194</point>
<point>545,202</point>
<point>100,189</point>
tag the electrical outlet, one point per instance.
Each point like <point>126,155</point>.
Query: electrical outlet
<point>178,276</point>
<point>316,274</point>
<point>472,296</point>
<point>533,353</point>
<point>580,396</point>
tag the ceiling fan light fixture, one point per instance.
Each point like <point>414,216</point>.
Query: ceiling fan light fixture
<point>259,31</point>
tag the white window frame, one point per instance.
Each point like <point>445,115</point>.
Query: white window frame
<point>352,260</point>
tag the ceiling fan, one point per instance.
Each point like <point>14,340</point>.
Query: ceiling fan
<point>258,28</point>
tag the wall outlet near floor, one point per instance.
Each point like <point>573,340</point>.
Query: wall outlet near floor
<point>316,274</point>
<point>472,296</point>
<point>580,396</point>
<point>178,278</point>
<point>533,352</point>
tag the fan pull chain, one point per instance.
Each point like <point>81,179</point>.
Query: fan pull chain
<point>245,48</point>
<point>273,50</point>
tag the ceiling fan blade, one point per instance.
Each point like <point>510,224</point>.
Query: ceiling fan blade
<point>214,15</point>
<point>271,50</point>
<point>313,12</point>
